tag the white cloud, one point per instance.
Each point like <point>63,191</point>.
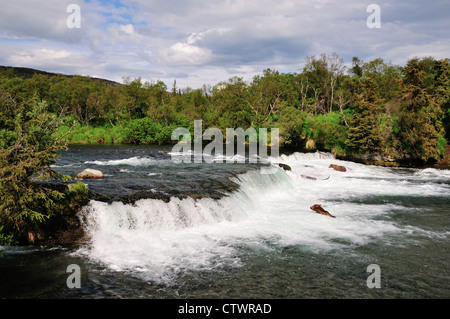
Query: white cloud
<point>185,54</point>
<point>207,41</point>
<point>36,19</point>
<point>437,50</point>
<point>52,59</point>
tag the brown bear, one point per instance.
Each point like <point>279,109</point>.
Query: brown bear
<point>337,167</point>
<point>319,210</point>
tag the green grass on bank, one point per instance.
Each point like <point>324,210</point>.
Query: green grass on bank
<point>79,134</point>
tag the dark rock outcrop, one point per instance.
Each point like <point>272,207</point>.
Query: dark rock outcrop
<point>284,166</point>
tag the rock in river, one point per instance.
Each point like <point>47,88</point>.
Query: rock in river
<point>89,173</point>
<point>284,166</point>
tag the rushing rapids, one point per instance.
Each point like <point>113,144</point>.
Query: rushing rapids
<point>159,240</point>
<point>156,229</point>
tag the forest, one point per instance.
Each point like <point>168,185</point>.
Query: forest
<point>373,111</point>
<point>400,113</point>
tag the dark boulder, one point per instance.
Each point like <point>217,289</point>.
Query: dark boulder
<point>284,166</point>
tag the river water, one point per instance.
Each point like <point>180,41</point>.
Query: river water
<point>157,229</point>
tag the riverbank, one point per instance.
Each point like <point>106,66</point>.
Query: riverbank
<point>445,161</point>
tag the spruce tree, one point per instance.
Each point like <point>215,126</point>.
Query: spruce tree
<point>364,131</point>
<point>419,121</point>
<point>442,92</point>
<point>26,199</point>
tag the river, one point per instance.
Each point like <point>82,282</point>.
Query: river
<point>157,229</point>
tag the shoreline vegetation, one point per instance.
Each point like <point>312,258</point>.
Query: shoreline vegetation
<point>372,112</point>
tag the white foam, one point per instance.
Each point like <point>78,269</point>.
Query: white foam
<point>154,174</point>
<point>218,158</point>
<point>155,239</point>
<point>133,161</point>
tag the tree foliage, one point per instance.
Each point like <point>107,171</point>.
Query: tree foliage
<point>420,120</point>
<point>27,200</point>
<point>364,135</point>
<point>373,107</point>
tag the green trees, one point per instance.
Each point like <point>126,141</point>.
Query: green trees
<point>364,131</point>
<point>375,107</point>
<point>420,116</point>
<point>400,111</point>
<point>29,146</point>
<point>144,131</point>
<point>324,74</point>
<point>291,124</point>
<point>233,109</point>
<point>442,92</point>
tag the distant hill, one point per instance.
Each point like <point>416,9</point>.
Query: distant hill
<point>28,73</point>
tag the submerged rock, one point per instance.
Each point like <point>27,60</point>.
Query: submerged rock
<point>89,173</point>
<point>319,210</point>
<point>337,168</point>
<point>315,178</point>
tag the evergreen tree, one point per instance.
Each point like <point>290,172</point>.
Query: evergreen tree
<point>442,92</point>
<point>364,130</point>
<point>25,158</point>
<point>420,115</point>
<point>356,69</point>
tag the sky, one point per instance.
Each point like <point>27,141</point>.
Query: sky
<point>205,42</point>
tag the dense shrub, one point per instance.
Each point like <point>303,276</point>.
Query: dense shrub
<point>27,199</point>
<point>327,131</point>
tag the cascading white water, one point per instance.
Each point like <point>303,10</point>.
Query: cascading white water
<point>157,240</point>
